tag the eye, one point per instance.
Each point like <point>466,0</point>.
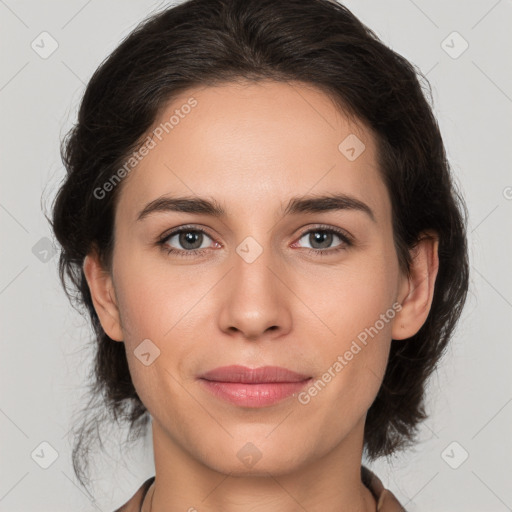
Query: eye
<point>321,239</point>
<point>190,241</point>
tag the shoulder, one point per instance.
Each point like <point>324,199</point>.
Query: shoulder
<point>135,502</point>
<point>386,500</point>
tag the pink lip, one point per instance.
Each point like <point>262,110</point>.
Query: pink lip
<point>258,387</point>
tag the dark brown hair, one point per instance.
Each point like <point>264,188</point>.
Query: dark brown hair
<point>316,42</point>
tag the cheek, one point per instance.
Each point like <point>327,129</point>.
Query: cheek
<point>151,300</point>
<point>158,317</point>
<point>360,298</point>
<point>359,310</point>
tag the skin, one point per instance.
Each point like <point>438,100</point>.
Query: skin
<point>252,147</point>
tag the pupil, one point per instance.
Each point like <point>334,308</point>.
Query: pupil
<point>190,238</point>
<point>322,236</point>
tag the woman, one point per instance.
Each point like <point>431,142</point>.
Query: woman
<point>327,265</point>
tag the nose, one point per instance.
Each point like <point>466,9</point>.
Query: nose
<point>255,298</point>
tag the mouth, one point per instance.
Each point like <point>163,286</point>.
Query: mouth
<point>253,387</point>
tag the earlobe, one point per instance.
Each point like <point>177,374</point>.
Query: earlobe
<point>103,296</point>
<point>417,289</point>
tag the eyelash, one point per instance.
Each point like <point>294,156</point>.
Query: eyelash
<point>345,238</point>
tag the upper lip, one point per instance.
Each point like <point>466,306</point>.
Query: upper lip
<point>243,374</point>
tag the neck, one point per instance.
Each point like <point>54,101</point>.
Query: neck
<point>329,483</point>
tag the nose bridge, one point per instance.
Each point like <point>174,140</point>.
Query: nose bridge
<point>255,298</point>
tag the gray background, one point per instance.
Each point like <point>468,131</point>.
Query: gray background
<point>44,365</point>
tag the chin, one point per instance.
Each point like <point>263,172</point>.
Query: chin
<point>259,457</point>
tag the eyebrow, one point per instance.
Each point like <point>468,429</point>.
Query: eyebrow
<point>204,206</point>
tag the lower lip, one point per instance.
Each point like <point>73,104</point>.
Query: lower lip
<point>254,395</point>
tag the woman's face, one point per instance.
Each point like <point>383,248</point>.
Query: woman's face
<point>313,287</point>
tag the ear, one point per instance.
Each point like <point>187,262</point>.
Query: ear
<point>416,291</point>
<point>103,295</point>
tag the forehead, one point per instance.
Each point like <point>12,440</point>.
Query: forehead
<point>252,144</point>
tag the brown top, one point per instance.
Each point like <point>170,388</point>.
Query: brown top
<point>386,501</point>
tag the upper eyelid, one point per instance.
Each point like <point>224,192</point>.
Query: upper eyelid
<point>175,231</point>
